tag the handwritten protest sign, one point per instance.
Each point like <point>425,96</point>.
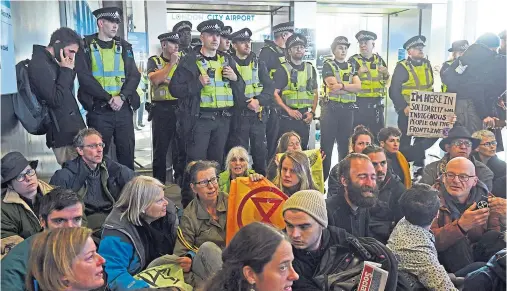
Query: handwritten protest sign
<point>430,113</point>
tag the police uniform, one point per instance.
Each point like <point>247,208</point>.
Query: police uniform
<point>370,99</point>
<point>226,33</point>
<point>297,84</point>
<point>457,46</point>
<point>181,27</point>
<point>207,110</point>
<point>273,56</point>
<point>106,69</point>
<point>337,110</point>
<point>410,75</point>
<point>249,127</point>
<point>163,110</point>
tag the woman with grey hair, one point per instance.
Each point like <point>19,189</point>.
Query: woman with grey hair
<point>141,228</point>
<point>486,153</point>
<point>237,165</point>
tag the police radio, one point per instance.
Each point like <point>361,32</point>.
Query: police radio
<point>211,73</point>
<point>225,64</point>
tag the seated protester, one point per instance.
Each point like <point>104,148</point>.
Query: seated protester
<point>486,153</point>
<point>360,139</point>
<point>65,259</point>
<point>259,258</point>
<point>289,141</point>
<point>459,143</point>
<point>307,227</point>
<point>201,235</point>
<point>461,197</point>
<point>186,192</point>
<point>389,139</point>
<point>386,212</point>
<point>95,177</point>
<point>349,208</point>
<point>237,164</point>
<point>58,208</point>
<point>294,173</point>
<point>21,194</point>
<point>412,241</point>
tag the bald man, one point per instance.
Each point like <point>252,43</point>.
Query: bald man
<point>464,213</point>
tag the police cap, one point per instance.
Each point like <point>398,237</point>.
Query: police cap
<point>226,32</point>
<point>296,39</point>
<point>210,26</point>
<point>195,41</point>
<point>340,40</point>
<point>365,35</point>
<point>283,27</point>
<point>182,26</point>
<point>415,41</point>
<point>170,36</point>
<point>241,35</point>
<point>459,46</point>
<point>113,14</point>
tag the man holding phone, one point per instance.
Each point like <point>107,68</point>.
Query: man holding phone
<point>51,74</point>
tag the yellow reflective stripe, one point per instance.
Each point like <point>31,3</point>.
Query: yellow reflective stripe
<point>161,92</point>
<point>419,78</point>
<point>186,244</point>
<point>218,94</point>
<point>108,67</point>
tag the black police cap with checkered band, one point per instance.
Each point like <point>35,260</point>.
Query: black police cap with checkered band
<point>182,25</point>
<point>113,14</point>
<point>366,35</point>
<point>226,32</point>
<point>459,46</point>
<point>211,26</point>
<point>282,27</point>
<point>170,36</point>
<point>414,41</point>
<point>296,39</point>
<point>242,34</point>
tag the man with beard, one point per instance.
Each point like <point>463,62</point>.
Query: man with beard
<point>386,212</point>
<point>349,209</point>
<point>184,31</point>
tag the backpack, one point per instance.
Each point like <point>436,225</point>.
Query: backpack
<point>33,114</point>
<point>490,277</point>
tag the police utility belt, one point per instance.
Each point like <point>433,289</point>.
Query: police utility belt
<point>212,115</point>
<point>377,102</point>
<point>285,115</point>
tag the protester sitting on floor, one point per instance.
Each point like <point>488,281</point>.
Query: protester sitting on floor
<point>288,142</point>
<point>58,208</point>
<point>65,259</point>
<point>486,153</point>
<point>201,235</point>
<point>187,195</point>
<point>459,143</point>
<point>464,214</point>
<point>141,227</point>
<point>386,212</point>
<point>237,164</point>
<point>389,139</point>
<point>21,194</point>
<point>349,207</point>
<point>259,258</point>
<point>294,173</point>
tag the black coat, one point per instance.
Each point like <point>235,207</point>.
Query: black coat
<point>55,86</point>
<point>341,215</point>
<point>499,169</point>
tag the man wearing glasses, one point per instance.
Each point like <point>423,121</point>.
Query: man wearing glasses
<point>486,153</point>
<point>467,212</point>
<point>96,178</point>
<point>459,143</point>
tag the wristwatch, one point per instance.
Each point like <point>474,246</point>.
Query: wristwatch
<point>123,98</point>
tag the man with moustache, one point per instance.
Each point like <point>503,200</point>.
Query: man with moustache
<point>386,212</point>
<point>349,209</point>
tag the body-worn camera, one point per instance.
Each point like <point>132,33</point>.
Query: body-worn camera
<point>211,73</point>
<point>373,66</point>
<point>346,77</point>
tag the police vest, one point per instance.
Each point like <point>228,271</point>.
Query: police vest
<point>444,86</point>
<point>299,94</point>
<point>419,78</point>
<point>278,51</point>
<point>250,74</point>
<point>372,84</point>
<point>108,67</point>
<point>143,85</point>
<point>218,94</point>
<point>161,92</point>
<point>339,74</point>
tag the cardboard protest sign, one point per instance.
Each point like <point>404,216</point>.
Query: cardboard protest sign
<point>430,113</point>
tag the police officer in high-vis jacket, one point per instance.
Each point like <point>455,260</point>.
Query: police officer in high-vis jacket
<point>296,90</point>
<point>184,31</point>
<point>225,40</point>
<point>208,83</point>
<point>340,85</point>
<point>457,49</point>
<point>273,55</point>
<point>373,73</point>
<point>164,105</point>
<point>249,126</point>
<point>108,79</point>
<point>414,73</point>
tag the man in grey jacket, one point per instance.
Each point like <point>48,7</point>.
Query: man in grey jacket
<point>459,143</point>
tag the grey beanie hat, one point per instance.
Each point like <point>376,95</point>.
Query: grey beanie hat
<point>311,202</point>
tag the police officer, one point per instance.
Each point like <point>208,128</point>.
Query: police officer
<point>414,73</point>
<point>184,31</point>
<point>225,40</point>
<point>196,42</point>
<point>373,73</point>
<point>457,49</point>
<point>208,83</point>
<point>340,85</point>
<point>273,55</point>
<point>249,127</point>
<point>164,105</point>
<point>108,79</point>
<point>296,90</point>
<point>502,48</point>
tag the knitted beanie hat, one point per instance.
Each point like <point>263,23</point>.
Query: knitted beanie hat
<point>311,202</point>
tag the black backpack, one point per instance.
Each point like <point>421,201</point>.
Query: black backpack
<point>33,113</point>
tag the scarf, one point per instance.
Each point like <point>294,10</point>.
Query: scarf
<point>477,193</point>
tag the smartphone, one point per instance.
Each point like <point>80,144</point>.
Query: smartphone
<point>482,204</point>
<point>57,47</point>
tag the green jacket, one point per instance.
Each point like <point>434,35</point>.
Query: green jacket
<point>224,180</point>
<point>14,266</point>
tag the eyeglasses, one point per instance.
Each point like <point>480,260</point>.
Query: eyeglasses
<point>94,145</point>
<point>489,143</point>
<point>459,143</point>
<point>461,177</point>
<point>205,183</point>
<point>21,177</point>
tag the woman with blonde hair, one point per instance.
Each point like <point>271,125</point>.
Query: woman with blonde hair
<point>237,164</point>
<point>289,141</point>
<point>64,259</point>
<point>141,227</point>
<point>294,173</point>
